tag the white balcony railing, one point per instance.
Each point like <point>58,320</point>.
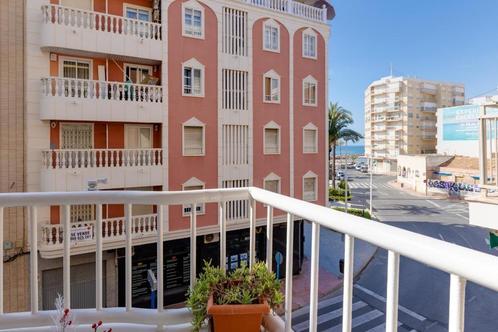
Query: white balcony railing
<point>100,158</point>
<point>113,230</point>
<point>101,90</point>
<point>292,7</point>
<point>461,263</point>
<point>92,20</point>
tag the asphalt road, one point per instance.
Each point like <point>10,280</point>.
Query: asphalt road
<point>424,291</point>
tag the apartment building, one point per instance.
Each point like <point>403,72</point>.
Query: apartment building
<point>400,117</point>
<point>162,95</point>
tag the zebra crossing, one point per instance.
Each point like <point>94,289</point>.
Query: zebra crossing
<point>366,185</point>
<point>368,315</point>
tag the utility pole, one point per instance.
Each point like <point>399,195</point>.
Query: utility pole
<point>371,185</point>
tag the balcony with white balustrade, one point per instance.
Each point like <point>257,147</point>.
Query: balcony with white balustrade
<point>463,265</point>
<point>428,107</point>
<point>96,33</point>
<point>70,99</point>
<point>70,170</point>
<point>83,237</point>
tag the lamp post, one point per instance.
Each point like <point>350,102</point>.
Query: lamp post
<point>345,178</point>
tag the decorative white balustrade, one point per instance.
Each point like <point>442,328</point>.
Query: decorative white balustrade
<point>91,20</point>
<point>293,8</point>
<point>113,229</point>
<point>461,263</point>
<point>100,158</point>
<point>101,90</point>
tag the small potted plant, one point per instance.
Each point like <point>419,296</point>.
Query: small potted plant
<point>237,299</point>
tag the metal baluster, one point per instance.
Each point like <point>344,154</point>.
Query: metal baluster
<point>315,251</point>
<point>98,259</point>
<point>160,262</point>
<point>223,234</point>
<point>1,260</point>
<point>456,319</point>
<point>128,257</point>
<point>33,259</point>
<point>348,283</point>
<point>288,272</point>
<point>269,237</point>
<point>66,265</point>
<point>252,232</point>
<point>392,291</point>
<point>193,244</point>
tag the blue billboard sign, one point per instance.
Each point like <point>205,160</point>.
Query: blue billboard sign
<point>462,123</point>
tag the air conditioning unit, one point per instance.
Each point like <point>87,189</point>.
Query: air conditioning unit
<point>211,238</point>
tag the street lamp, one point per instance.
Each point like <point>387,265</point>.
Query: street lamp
<point>371,185</point>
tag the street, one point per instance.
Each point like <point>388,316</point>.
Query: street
<point>423,291</point>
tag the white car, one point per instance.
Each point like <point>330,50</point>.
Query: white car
<point>340,175</point>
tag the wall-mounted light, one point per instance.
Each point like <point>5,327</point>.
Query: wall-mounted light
<point>53,57</point>
<point>156,127</point>
<point>53,124</point>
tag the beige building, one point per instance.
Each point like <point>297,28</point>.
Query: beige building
<point>12,165</point>
<point>400,117</point>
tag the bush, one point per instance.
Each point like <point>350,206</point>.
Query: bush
<point>343,185</point>
<point>356,212</point>
<point>337,194</point>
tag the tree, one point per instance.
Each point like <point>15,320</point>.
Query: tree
<point>339,121</point>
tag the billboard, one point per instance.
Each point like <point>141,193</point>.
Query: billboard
<point>462,123</point>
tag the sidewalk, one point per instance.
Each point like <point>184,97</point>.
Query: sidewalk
<point>331,251</point>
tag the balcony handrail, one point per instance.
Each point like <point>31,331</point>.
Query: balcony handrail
<point>87,158</point>
<point>93,20</point>
<point>101,90</point>
<point>293,8</point>
<point>461,263</point>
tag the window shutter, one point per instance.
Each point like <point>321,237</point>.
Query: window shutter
<point>271,140</point>
<point>309,189</point>
<point>310,140</point>
<point>272,185</point>
<point>192,140</point>
<point>267,88</point>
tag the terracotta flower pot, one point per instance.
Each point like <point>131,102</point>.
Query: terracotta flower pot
<point>239,317</point>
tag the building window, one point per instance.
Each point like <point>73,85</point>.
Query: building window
<point>309,187</point>
<point>309,44</point>
<point>271,87</point>
<point>310,139</point>
<point>235,90</point>
<point>193,184</point>
<point>235,144</point>
<point>309,91</point>
<point>272,138</point>
<point>193,138</point>
<point>235,27</point>
<point>138,13</point>
<point>193,19</point>
<point>272,183</point>
<point>193,78</point>
<point>271,36</point>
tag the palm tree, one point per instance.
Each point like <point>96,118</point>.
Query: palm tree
<point>339,121</point>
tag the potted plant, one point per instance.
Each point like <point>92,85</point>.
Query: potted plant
<point>239,298</point>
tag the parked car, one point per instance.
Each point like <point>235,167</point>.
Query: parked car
<point>364,169</point>
<point>359,166</point>
<point>340,175</point>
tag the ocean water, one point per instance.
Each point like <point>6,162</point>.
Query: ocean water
<point>350,150</point>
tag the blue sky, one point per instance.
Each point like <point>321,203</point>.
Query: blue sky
<point>447,40</point>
